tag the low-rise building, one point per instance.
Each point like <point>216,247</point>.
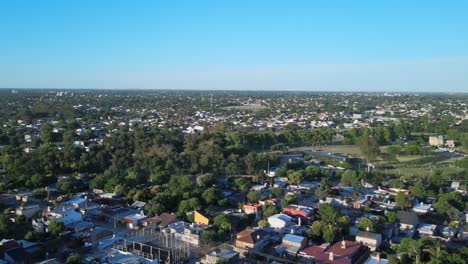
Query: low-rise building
<point>408,220</point>
<point>135,221</point>
<point>292,244</point>
<point>299,211</point>
<point>255,209</point>
<point>422,208</point>
<point>218,255</point>
<point>279,221</point>
<point>200,219</point>
<point>369,239</point>
<point>28,210</point>
<point>252,238</point>
<point>427,230</point>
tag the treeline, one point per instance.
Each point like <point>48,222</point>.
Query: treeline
<point>292,137</point>
<point>383,135</point>
<point>132,157</point>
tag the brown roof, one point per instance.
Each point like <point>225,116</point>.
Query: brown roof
<point>319,255</point>
<point>251,236</point>
<point>350,249</point>
<point>162,220</point>
<point>324,258</point>
<point>253,206</point>
<point>313,249</point>
<point>244,232</point>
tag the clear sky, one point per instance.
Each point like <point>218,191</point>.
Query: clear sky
<point>327,45</point>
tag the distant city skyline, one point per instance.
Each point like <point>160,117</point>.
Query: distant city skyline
<point>397,46</point>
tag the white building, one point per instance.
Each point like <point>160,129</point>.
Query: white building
<point>371,240</point>
<point>422,208</point>
<point>279,221</point>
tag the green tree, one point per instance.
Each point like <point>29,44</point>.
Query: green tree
<point>4,225</point>
<point>366,224</point>
<point>464,142</point>
<point>269,210</point>
<point>55,228</point>
<point>438,255</point>
<point>73,260</point>
<point>295,177</point>
<point>451,204</point>
<point>316,229</point>
<point>369,147</point>
<point>350,178</point>
<point>402,200</point>
<point>391,217</point>
<point>263,223</point>
<point>331,233</point>
<point>324,189</point>
<point>287,200</point>
<point>253,196</point>
<point>46,133</point>
<point>211,195</point>
<point>418,189</point>
<point>223,222</point>
<point>328,214</point>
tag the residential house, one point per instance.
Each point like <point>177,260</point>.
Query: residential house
<point>77,202</point>
<point>200,219</point>
<point>28,210</point>
<point>111,214</point>
<point>427,230</point>
<point>139,205</point>
<point>361,203</point>
<point>448,232</point>
<point>369,239</point>
<point>344,252</point>
<point>376,259</point>
<point>338,201</point>
<point>252,238</point>
<point>99,233</point>
<point>221,255</point>
<point>162,220</point>
<point>292,244</point>
<point>64,214</point>
<point>422,208</point>
<point>21,251</point>
<point>305,213</point>
<point>135,221</point>
<point>408,220</point>
<point>279,221</point>
<point>39,225</point>
<point>189,233</point>
<point>349,249</point>
<point>255,209</point>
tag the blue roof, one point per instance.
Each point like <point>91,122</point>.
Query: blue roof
<point>293,238</point>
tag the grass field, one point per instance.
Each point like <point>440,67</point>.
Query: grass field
<point>419,171</point>
<point>411,165</point>
<point>336,149</point>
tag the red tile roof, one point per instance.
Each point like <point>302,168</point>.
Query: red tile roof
<point>313,249</point>
<point>349,250</point>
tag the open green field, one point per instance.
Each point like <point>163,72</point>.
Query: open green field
<point>352,150</point>
<point>419,171</point>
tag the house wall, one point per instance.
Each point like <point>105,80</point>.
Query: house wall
<point>242,244</point>
<point>200,219</point>
<point>373,244</point>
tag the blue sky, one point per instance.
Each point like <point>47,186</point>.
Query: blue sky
<point>327,45</point>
